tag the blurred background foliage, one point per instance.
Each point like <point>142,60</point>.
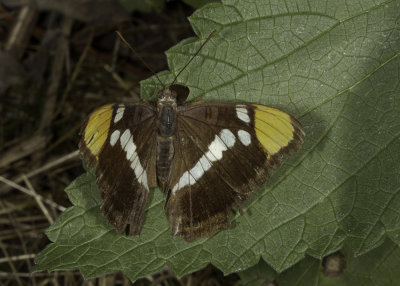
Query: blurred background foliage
<point>58,61</point>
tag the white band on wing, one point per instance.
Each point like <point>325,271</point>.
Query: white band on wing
<point>222,141</point>
<point>127,144</point>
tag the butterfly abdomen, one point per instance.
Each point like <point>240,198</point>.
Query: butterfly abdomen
<point>165,154</point>
<point>167,120</point>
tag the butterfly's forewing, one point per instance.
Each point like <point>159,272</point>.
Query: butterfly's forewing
<point>223,151</point>
<point>120,140</point>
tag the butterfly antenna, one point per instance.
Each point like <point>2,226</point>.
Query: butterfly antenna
<point>138,56</point>
<point>198,51</point>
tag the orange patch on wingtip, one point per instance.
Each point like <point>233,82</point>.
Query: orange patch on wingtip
<point>97,128</point>
<point>274,128</point>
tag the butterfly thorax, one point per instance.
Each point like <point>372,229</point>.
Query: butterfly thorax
<point>166,108</point>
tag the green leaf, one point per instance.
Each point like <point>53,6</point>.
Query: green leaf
<point>378,267</point>
<point>335,66</point>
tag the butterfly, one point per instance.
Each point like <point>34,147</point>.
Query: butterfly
<point>207,157</point>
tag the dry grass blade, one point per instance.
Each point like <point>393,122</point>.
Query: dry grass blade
<point>56,75</point>
<point>28,192</point>
<point>25,148</point>
<point>17,257</point>
<point>121,82</point>
<point>52,164</point>
<point>74,75</point>
<point>22,30</point>
<point>38,200</point>
<point>10,263</point>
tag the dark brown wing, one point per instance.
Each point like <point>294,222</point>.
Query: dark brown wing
<point>120,141</point>
<point>223,151</point>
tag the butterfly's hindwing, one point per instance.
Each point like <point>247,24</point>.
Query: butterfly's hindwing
<point>193,211</point>
<point>120,140</point>
<point>223,152</point>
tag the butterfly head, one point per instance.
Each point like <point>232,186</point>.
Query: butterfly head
<point>167,96</point>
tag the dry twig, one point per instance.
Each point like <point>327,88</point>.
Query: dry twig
<point>28,192</point>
